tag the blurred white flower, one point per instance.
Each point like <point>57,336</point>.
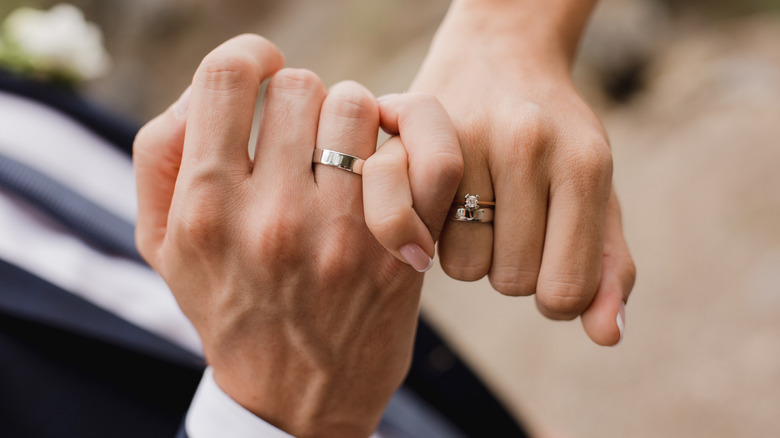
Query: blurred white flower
<point>56,43</point>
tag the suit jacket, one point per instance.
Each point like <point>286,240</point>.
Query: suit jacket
<point>71,369</point>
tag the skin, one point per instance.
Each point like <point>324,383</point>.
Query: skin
<point>268,258</point>
<point>307,320</point>
<point>530,143</point>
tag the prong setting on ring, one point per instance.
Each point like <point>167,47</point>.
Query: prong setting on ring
<point>469,210</point>
<point>472,202</point>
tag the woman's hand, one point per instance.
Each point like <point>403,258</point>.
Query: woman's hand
<point>306,319</point>
<point>532,145</point>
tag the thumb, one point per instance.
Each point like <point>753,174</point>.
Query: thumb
<point>156,158</point>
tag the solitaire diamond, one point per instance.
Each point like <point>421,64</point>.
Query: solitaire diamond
<point>472,202</point>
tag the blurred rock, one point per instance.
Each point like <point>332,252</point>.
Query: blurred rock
<point>622,39</point>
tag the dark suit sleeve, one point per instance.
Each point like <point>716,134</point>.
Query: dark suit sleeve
<point>182,433</point>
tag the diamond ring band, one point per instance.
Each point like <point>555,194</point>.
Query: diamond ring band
<point>472,210</point>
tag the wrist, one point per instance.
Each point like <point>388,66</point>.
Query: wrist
<point>301,409</point>
<point>545,32</point>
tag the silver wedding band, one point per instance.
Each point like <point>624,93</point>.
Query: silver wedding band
<point>463,214</point>
<point>339,160</point>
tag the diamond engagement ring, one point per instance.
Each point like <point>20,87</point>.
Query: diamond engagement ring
<point>339,160</point>
<point>471,210</point>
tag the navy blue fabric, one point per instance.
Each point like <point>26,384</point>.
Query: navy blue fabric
<point>72,370</point>
<point>86,219</point>
<point>442,379</point>
<point>27,297</point>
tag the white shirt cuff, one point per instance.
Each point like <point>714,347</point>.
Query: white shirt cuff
<point>213,414</point>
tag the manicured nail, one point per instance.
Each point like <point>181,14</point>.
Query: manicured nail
<point>417,257</point>
<point>181,105</point>
<point>621,320</point>
<point>387,97</point>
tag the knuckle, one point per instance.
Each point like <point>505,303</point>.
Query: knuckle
<point>278,240</point>
<point>200,228</point>
<point>444,157</point>
<point>531,145</point>
<point>339,258</point>
<point>514,282</point>
<point>449,168</point>
<point>334,268</point>
<point>565,297</point>
<point>591,165</point>
<point>222,71</point>
<point>295,81</point>
<point>351,100</point>
<point>529,139</point>
<point>202,215</point>
<point>385,226</point>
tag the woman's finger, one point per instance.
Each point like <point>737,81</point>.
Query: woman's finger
<point>389,209</point>
<point>571,264</point>
<point>435,159</point>
<point>156,159</point>
<point>521,185</point>
<point>605,319</point>
<point>436,166</point>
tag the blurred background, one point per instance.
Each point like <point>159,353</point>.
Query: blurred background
<point>690,95</point>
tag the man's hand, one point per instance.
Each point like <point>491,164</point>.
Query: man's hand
<point>532,145</point>
<point>306,319</point>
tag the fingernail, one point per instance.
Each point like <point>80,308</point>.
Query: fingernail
<point>417,257</point>
<point>387,97</point>
<point>621,321</point>
<point>181,105</point>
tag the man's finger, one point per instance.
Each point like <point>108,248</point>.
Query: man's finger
<point>605,319</point>
<point>156,159</point>
<point>349,124</point>
<point>224,91</point>
<point>288,129</point>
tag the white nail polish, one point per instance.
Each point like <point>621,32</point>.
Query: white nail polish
<point>416,257</point>
<point>621,321</point>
